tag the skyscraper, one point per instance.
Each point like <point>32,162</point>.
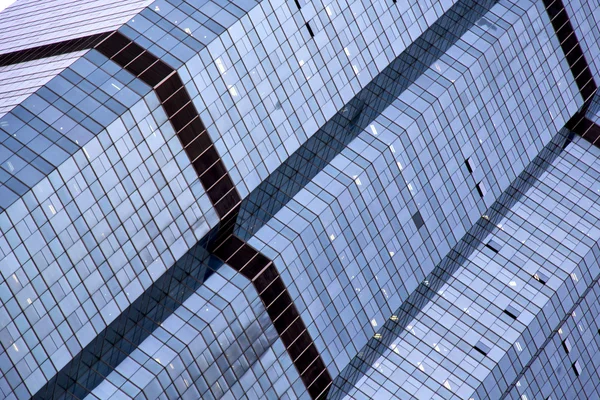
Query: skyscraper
<point>300,199</point>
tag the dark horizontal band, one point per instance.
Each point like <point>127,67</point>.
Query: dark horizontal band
<point>52,49</point>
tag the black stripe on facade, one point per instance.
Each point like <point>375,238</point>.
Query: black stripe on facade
<point>53,49</point>
<point>287,321</point>
<point>579,67</point>
<point>116,342</point>
<point>584,127</point>
<point>221,191</point>
<point>570,46</point>
<point>183,115</point>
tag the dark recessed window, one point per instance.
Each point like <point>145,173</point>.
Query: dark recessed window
<point>482,348</point>
<point>312,34</point>
<point>494,246</point>
<point>481,189</point>
<point>512,312</point>
<point>418,219</point>
<point>577,368</point>
<point>566,345</point>
<point>541,277</point>
<point>469,165</point>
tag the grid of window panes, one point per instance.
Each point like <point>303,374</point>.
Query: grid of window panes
<point>314,154</point>
<point>381,343</point>
<point>265,85</point>
<point>19,81</point>
<point>94,233</point>
<point>219,344</point>
<point>572,261</point>
<point>177,30</point>
<point>52,124</point>
<point>505,295</point>
<point>567,367</point>
<point>351,245</point>
<point>98,198</point>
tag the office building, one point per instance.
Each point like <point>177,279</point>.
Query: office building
<point>281,199</point>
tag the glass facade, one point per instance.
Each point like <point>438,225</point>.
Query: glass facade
<point>282,199</point>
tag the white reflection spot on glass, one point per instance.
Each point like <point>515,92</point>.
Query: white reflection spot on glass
<point>373,129</point>
<point>574,277</point>
<point>151,127</point>
<point>220,65</point>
